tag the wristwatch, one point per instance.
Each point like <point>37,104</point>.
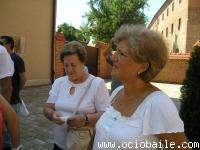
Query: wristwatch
<point>20,147</point>
<point>86,120</point>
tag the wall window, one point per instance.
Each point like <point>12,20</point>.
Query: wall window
<point>166,32</point>
<point>167,11</point>
<point>179,23</point>
<point>163,16</point>
<point>173,6</point>
<point>158,21</point>
<point>172,29</point>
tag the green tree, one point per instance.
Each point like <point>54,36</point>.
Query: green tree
<point>106,16</point>
<point>83,34</point>
<point>71,33</point>
<point>68,31</point>
<point>190,95</point>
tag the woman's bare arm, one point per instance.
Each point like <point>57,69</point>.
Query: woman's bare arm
<point>174,141</point>
<point>12,121</point>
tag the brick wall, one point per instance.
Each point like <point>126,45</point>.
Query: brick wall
<point>92,55</point>
<point>103,68</point>
<point>175,69</point>
<point>173,72</point>
<point>59,70</point>
<point>92,60</point>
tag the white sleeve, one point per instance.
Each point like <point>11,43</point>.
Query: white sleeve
<point>53,93</point>
<point>101,97</point>
<point>6,65</point>
<point>161,116</point>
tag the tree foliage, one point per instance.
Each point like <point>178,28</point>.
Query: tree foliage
<point>71,33</point>
<point>68,31</point>
<point>106,16</point>
<point>190,94</point>
<point>83,34</point>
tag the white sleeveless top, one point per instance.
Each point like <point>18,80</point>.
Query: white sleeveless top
<point>155,115</point>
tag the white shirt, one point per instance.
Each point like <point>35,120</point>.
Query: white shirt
<point>6,64</point>
<point>155,115</point>
<point>96,99</point>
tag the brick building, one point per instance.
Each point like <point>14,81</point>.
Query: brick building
<point>179,22</point>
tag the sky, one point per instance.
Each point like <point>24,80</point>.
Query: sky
<point>71,11</point>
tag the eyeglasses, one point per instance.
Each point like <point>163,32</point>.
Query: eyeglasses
<point>120,54</point>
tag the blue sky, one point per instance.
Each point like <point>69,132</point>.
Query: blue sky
<point>71,11</point>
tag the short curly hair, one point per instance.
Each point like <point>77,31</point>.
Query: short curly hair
<point>144,45</point>
<point>74,47</point>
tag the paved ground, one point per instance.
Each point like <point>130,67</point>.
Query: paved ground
<point>37,130</point>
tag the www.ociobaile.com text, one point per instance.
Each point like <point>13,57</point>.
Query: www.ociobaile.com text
<point>146,145</point>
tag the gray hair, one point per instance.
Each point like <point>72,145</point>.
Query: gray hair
<point>74,47</point>
<point>144,46</point>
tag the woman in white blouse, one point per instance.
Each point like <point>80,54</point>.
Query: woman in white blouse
<point>141,116</point>
<point>67,91</point>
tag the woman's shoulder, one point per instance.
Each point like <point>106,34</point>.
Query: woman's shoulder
<point>158,98</point>
<point>159,102</point>
<point>160,115</point>
<point>60,80</point>
<point>97,80</point>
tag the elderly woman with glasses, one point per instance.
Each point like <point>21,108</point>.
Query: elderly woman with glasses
<point>141,116</point>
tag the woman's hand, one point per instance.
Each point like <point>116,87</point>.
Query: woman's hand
<point>56,118</point>
<point>51,114</point>
<point>76,121</point>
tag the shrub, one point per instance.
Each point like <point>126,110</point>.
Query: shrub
<point>190,95</point>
